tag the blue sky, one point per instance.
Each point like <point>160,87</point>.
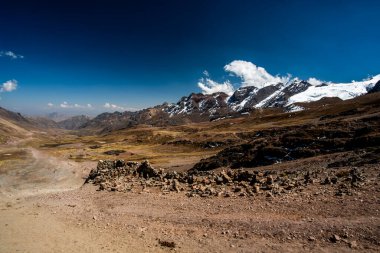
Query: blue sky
<point>135,54</point>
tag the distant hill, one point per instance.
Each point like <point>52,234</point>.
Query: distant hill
<point>13,125</point>
<point>14,117</point>
<point>56,116</point>
<point>42,122</point>
<point>74,122</point>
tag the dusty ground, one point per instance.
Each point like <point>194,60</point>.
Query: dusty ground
<point>45,208</point>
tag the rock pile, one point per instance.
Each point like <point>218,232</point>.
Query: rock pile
<point>124,176</point>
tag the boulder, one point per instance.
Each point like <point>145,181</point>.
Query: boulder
<point>146,170</point>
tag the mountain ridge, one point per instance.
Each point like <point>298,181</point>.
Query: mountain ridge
<point>199,107</point>
<point>295,95</point>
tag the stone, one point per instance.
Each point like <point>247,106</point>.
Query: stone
<point>249,192</point>
<point>167,244</point>
<point>176,185</point>
<point>327,180</point>
<point>219,180</point>
<point>227,194</point>
<point>237,189</point>
<point>119,163</point>
<point>190,179</point>
<point>146,170</point>
<point>256,188</point>
<point>335,238</point>
<point>269,180</point>
<point>353,245</point>
<point>226,178</point>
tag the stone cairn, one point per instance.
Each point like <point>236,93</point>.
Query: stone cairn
<point>124,176</point>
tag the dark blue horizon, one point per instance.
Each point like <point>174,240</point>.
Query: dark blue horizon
<point>136,54</point>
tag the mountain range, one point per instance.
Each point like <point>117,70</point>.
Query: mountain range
<point>295,95</point>
<point>292,96</point>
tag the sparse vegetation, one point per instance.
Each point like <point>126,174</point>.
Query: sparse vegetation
<point>299,169</point>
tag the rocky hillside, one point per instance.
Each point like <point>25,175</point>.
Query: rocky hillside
<point>13,116</point>
<point>197,107</point>
<point>376,88</point>
<point>13,125</point>
<point>43,122</point>
<point>73,122</point>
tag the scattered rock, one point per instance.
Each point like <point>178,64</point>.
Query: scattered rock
<point>353,245</point>
<point>335,238</point>
<point>219,180</point>
<point>225,177</point>
<point>269,180</point>
<point>168,244</point>
<point>122,176</point>
<point>256,189</point>
<point>146,170</point>
<point>176,185</point>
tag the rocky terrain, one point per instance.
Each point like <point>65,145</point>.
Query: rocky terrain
<point>307,201</point>
<point>290,143</point>
<point>73,122</point>
<point>133,176</point>
<point>268,181</point>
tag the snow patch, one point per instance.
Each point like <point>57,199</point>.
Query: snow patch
<point>343,91</point>
<point>295,108</point>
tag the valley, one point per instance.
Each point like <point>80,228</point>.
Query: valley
<point>291,182</point>
<point>189,126</point>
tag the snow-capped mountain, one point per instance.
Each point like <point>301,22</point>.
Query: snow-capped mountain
<point>280,95</point>
<point>198,107</point>
<point>246,98</point>
<point>199,103</point>
<point>343,91</point>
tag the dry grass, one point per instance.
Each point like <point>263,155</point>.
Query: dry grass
<point>181,145</point>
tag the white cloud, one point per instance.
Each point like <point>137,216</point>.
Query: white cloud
<point>50,104</point>
<point>67,105</point>
<point>9,86</point>
<point>314,81</point>
<point>209,86</point>
<point>11,55</point>
<point>88,106</point>
<point>113,107</point>
<point>250,74</point>
<point>253,75</point>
